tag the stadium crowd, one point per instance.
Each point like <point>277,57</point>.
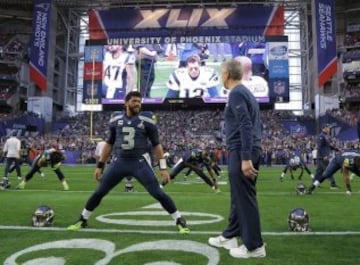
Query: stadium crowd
<point>182,130</point>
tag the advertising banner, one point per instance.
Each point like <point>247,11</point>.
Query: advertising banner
<point>326,40</point>
<point>40,43</point>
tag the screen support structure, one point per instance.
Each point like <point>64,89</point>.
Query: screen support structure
<point>93,56</point>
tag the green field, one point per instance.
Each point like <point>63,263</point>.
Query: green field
<point>131,228</point>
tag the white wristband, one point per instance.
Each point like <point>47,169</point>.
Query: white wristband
<point>162,164</point>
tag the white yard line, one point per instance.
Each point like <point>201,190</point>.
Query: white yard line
<point>137,231</point>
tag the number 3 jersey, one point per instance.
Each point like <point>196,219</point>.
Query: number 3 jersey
<point>130,136</point>
<point>188,87</point>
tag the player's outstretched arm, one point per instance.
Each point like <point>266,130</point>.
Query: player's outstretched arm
<point>159,154</point>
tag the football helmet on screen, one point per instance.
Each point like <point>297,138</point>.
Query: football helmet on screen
<point>298,220</point>
<point>300,189</point>
<point>43,216</point>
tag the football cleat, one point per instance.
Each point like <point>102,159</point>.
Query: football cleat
<point>334,187</point>
<point>21,185</point>
<point>65,185</point>
<point>81,223</point>
<point>181,225</point>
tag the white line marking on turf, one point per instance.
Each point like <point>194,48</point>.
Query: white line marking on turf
<point>137,231</point>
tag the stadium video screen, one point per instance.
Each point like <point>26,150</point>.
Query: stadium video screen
<point>181,71</point>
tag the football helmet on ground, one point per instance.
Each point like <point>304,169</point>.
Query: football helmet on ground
<point>43,216</point>
<point>129,187</point>
<point>300,189</point>
<point>298,220</point>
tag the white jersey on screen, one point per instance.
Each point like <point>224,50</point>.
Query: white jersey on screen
<point>181,81</point>
<point>256,84</point>
<point>115,72</point>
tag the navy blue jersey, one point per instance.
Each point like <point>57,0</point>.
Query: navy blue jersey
<point>348,160</point>
<point>194,157</point>
<point>242,122</point>
<point>130,135</point>
<point>323,146</point>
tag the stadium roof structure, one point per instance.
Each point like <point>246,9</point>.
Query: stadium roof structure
<point>85,4</point>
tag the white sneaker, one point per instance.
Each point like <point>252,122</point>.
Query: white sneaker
<point>222,242</point>
<point>243,253</point>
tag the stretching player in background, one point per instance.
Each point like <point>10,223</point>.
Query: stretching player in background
<point>347,162</point>
<point>294,164</point>
<point>192,159</point>
<point>193,81</point>
<point>213,163</point>
<point>26,148</point>
<point>324,149</point>
<point>118,72</point>
<point>50,157</point>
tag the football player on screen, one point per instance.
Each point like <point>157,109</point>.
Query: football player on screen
<point>256,84</point>
<point>118,72</point>
<point>193,81</point>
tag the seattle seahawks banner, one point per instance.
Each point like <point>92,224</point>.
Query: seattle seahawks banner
<point>173,25</point>
<point>326,40</point>
<point>40,43</point>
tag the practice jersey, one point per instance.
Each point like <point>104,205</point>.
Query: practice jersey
<point>180,81</point>
<point>323,146</point>
<point>12,147</point>
<point>115,76</point>
<point>130,135</point>
<point>257,85</point>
